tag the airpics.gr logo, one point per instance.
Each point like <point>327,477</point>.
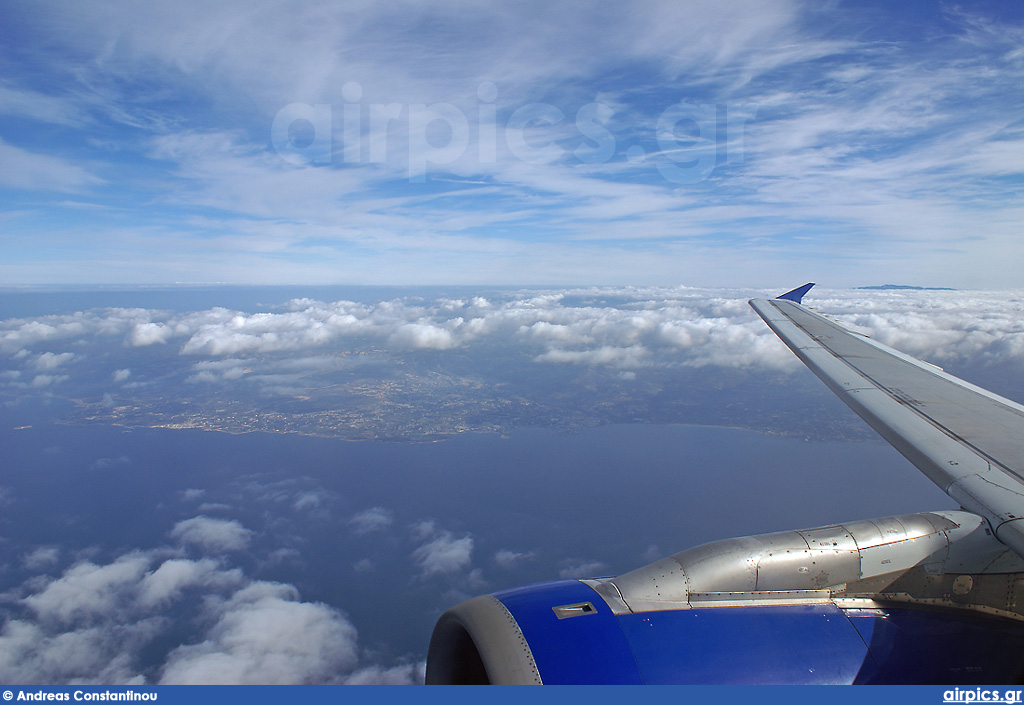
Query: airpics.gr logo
<point>686,141</point>
<point>980,695</point>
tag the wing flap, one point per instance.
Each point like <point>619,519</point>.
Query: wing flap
<point>965,439</point>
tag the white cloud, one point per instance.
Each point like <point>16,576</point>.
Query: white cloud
<point>219,370</point>
<point>93,624</point>
<point>30,170</point>
<point>42,558</point>
<point>48,380</point>
<point>306,501</point>
<point>396,675</point>
<point>42,107</point>
<point>143,334</point>
<point>576,569</point>
<point>31,652</point>
<point>51,361</point>
<point>213,535</point>
<point>166,584</point>
<point>442,553</point>
<point>546,332</point>
<point>371,520</point>
<point>606,355</point>
<point>122,375</point>
<point>87,590</point>
<point>264,635</point>
<point>508,560</point>
<point>421,336</point>
<point>213,507</point>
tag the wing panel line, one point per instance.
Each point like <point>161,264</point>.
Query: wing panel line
<point>900,398</point>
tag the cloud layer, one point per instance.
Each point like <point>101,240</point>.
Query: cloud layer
<point>93,623</point>
<point>625,328</point>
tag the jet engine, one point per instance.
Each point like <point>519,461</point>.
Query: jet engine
<point>920,598</point>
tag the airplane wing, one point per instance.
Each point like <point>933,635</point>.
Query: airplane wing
<point>967,440</point>
<point>921,598</point>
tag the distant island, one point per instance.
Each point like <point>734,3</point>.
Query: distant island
<point>893,287</point>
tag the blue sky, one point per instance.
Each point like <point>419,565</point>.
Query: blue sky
<point>761,143</point>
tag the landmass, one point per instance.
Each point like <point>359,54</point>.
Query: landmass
<point>428,405</point>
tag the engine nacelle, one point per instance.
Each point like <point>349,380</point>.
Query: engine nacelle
<point>922,598</point>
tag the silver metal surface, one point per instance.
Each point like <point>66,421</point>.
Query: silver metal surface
<point>861,558</point>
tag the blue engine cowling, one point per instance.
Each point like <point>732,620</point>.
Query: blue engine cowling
<point>564,633</point>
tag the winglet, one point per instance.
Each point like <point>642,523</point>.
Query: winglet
<point>797,294</point>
